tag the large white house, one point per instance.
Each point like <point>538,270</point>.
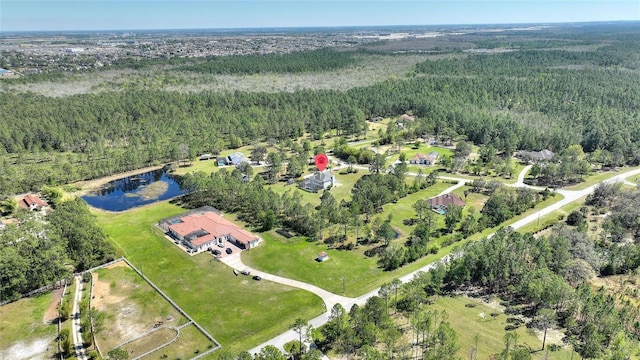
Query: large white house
<point>321,180</point>
<point>203,228</point>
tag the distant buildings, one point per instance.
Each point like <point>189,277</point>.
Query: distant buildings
<point>318,181</point>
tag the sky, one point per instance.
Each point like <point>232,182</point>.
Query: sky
<point>53,15</point>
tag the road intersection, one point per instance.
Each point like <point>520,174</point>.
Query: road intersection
<point>330,299</point>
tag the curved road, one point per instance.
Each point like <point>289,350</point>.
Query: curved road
<point>330,299</point>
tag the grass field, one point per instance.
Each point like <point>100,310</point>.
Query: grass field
<point>237,312</point>
<point>133,308</point>
<point>23,332</point>
<point>403,209</point>
<point>465,318</point>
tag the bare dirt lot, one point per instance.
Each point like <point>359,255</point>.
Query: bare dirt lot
<point>132,309</point>
<point>52,311</point>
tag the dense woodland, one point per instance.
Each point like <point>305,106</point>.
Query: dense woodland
<point>530,99</point>
<point>34,253</point>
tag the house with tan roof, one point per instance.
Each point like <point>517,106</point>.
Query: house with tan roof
<point>204,228</point>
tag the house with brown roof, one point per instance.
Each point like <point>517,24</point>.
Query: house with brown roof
<point>440,203</point>
<point>425,159</point>
<point>203,228</point>
<point>33,202</point>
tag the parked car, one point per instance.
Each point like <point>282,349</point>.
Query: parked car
<point>216,252</point>
<point>257,278</point>
<point>246,272</point>
<point>228,251</point>
<point>221,245</point>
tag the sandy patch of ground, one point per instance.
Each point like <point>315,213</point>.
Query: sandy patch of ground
<point>89,185</point>
<point>117,264</point>
<point>35,350</point>
<point>102,293</point>
<point>52,311</point>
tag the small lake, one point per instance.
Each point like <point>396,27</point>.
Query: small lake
<point>135,190</point>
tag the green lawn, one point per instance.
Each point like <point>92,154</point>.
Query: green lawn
<point>206,166</point>
<point>467,322</point>
<point>238,312</point>
<point>23,333</point>
<point>410,152</point>
<point>403,209</point>
<point>342,191</point>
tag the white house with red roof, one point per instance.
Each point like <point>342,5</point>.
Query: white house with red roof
<point>33,202</point>
<point>203,228</point>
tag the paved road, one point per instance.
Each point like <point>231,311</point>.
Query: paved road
<point>75,321</point>
<point>330,298</point>
<point>235,261</point>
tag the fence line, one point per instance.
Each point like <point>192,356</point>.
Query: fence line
<point>165,296</point>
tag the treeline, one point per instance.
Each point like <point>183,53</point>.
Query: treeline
<point>545,278</point>
<point>296,62</point>
<point>35,253</point>
<point>545,106</point>
<point>252,201</point>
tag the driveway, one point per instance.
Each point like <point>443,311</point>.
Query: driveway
<point>330,299</point>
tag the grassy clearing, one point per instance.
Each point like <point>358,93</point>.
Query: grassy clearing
<point>467,322</point>
<point>205,166</point>
<point>23,333</point>
<point>150,342</point>
<point>238,312</point>
<point>187,346</point>
<point>403,209</point>
<point>552,218</point>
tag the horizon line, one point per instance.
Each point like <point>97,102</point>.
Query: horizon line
<point>321,27</point>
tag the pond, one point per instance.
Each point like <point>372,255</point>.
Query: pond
<point>135,190</point>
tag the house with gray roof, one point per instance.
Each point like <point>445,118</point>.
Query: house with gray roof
<point>535,156</point>
<point>318,181</point>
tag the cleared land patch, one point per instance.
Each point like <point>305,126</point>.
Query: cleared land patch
<point>23,332</point>
<point>471,317</point>
<point>138,318</point>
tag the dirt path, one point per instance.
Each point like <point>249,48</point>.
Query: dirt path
<point>86,186</point>
<point>52,311</point>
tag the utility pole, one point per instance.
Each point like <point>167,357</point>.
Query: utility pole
<point>344,289</point>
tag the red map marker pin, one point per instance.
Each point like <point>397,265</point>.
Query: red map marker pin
<point>321,161</point>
